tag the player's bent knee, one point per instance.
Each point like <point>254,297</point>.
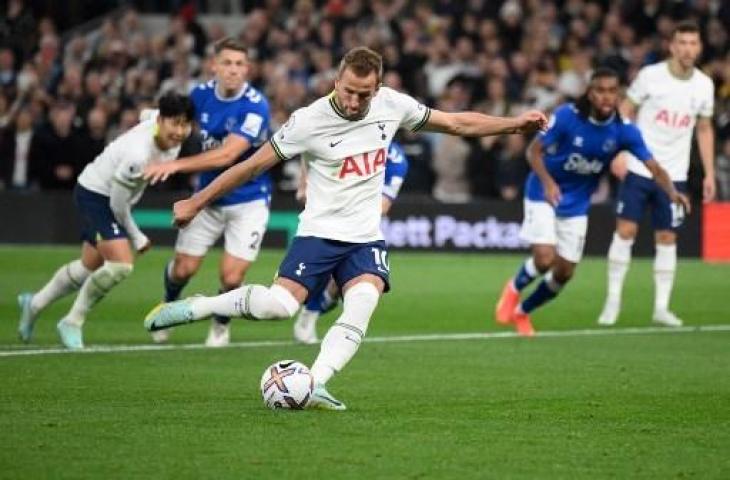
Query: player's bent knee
<point>184,269</point>
<point>231,280</point>
<point>543,260</point>
<point>111,273</point>
<point>266,303</point>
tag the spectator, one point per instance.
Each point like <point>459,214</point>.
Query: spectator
<point>53,150</point>
<point>92,139</point>
<point>15,168</point>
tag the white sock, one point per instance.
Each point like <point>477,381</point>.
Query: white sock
<point>343,338</point>
<point>67,279</point>
<point>96,286</point>
<point>619,259</point>
<point>665,263</point>
<point>250,301</point>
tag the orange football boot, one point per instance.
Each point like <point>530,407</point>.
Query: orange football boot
<point>507,303</point>
<point>523,324</point>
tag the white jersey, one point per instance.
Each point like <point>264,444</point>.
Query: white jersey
<point>124,159</point>
<point>668,108</point>
<point>346,162</point>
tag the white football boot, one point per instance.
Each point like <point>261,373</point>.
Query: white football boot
<point>219,334</point>
<point>321,399</point>
<point>161,336</point>
<point>609,315</point>
<point>666,318</point>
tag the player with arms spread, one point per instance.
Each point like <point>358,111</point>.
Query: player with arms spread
<point>305,325</point>
<point>567,162</point>
<point>105,192</point>
<point>673,98</point>
<point>234,120</point>
<point>344,139</point>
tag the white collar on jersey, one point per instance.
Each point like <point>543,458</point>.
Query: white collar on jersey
<point>602,123</point>
<point>233,98</point>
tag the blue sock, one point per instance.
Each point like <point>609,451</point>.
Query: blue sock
<point>527,273</point>
<point>220,318</point>
<point>172,289</point>
<point>546,290</point>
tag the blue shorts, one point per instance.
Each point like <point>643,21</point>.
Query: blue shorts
<point>311,261</point>
<point>637,192</point>
<point>97,220</point>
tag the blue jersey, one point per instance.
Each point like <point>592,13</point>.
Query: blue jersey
<point>247,115</point>
<point>576,151</point>
<point>396,168</point>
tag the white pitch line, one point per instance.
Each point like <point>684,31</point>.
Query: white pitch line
<point>390,339</point>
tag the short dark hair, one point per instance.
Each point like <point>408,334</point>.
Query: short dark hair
<point>362,61</point>
<point>175,105</point>
<point>605,72</point>
<point>686,26</point>
<point>583,104</point>
<point>228,43</point>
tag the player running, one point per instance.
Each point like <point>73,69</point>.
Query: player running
<point>344,139</point>
<point>234,121</point>
<point>673,98</point>
<point>105,192</point>
<point>305,326</point>
<point>567,162</point>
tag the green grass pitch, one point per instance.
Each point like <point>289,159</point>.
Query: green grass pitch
<point>641,405</point>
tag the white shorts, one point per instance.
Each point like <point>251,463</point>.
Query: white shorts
<point>243,226</point>
<point>541,226</point>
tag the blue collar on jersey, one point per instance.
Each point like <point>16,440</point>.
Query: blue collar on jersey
<point>233,98</point>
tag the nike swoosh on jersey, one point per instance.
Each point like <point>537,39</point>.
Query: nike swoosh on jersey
<point>334,144</point>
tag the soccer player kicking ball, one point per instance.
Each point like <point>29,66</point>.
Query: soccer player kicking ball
<point>567,161</point>
<point>234,120</point>
<point>305,325</point>
<point>673,98</point>
<point>105,192</point>
<point>344,138</point>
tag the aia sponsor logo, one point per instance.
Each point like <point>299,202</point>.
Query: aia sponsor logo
<point>363,164</point>
<point>672,119</point>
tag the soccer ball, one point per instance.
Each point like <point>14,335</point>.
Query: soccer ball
<point>286,384</point>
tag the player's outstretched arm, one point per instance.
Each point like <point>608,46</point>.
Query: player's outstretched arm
<point>475,124</point>
<point>120,201</point>
<point>232,148</point>
<point>706,144</point>
<point>535,159</point>
<point>662,178</point>
<point>264,158</point>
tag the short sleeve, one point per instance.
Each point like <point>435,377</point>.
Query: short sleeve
<point>707,109</point>
<point>253,123</point>
<point>638,91</point>
<point>130,170</point>
<point>557,126</point>
<point>414,114</point>
<point>632,141</point>
<point>291,139</point>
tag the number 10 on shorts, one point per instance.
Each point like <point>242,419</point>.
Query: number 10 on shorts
<point>381,259</point>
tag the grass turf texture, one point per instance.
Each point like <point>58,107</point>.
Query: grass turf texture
<point>646,406</point>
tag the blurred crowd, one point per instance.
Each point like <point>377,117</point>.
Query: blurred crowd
<point>63,95</point>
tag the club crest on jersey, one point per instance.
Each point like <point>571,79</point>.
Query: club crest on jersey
<point>381,126</point>
<point>609,145</point>
<point>672,119</point>
<point>230,123</point>
<point>578,141</point>
<point>204,117</point>
<point>363,164</point>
